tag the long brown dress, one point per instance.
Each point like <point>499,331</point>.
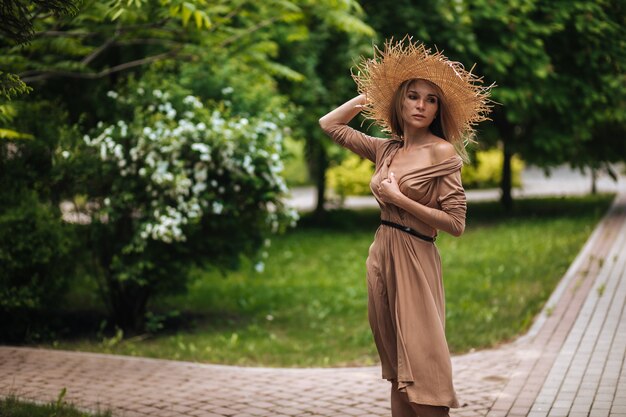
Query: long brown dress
<point>406,305</point>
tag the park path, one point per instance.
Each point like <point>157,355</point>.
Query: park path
<point>570,363</point>
<point>562,181</point>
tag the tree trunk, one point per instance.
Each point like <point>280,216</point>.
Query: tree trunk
<point>594,180</point>
<point>126,300</point>
<point>318,164</point>
<point>507,178</point>
<point>320,183</point>
<point>507,135</point>
<point>129,308</point>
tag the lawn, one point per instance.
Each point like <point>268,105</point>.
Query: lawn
<point>309,306</point>
<point>12,406</point>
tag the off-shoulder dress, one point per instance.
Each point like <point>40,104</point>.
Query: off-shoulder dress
<point>406,302</point>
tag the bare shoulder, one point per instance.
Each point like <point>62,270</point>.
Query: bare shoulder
<point>442,150</point>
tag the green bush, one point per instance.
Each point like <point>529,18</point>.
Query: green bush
<point>178,182</point>
<point>35,264</point>
<point>486,170</point>
<point>351,177</point>
<point>296,172</point>
<point>36,248</point>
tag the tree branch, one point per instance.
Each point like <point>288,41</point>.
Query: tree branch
<point>121,30</point>
<point>148,41</point>
<point>111,41</point>
<point>227,17</point>
<point>100,49</point>
<point>160,23</point>
<point>44,75</point>
<point>66,34</point>
<point>248,31</point>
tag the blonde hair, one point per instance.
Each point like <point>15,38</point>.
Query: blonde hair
<point>443,125</point>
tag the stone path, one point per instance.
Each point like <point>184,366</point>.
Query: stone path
<point>571,363</point>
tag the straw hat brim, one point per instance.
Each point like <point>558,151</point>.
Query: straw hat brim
<point>379,77</point>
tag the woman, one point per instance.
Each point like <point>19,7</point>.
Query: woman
<point>429,105</point>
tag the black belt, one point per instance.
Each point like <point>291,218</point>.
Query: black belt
<point>408,230</point>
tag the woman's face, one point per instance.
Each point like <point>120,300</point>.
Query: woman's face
<point>420,105</point>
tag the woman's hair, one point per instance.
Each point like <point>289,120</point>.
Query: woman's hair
<point>443,125</point>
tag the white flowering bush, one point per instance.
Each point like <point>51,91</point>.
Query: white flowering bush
<point>180,183</point>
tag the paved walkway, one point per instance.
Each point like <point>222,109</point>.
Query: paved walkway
<point>571,363</point>
<point>562,181</point>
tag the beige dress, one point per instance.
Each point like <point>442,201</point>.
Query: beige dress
<point>406,305</point>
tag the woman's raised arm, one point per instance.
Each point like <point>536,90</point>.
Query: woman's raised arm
<point>335,124</point>
<point>344,113</point>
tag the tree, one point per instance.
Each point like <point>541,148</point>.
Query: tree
<point>323,55</point>
<point>176,184</point>
<point>564,69</point>
<point>18,16</point>
<point>592,80</point>
<point>556,63</point>
<point>38,251</point>
<point>228,52</point>
<point>18,28</point>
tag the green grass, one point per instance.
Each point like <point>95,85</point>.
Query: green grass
<point>309,306</point>
<point>12,406</point>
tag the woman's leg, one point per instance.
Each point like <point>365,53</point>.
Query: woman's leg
<point>400,405</point>
<point>422,410</point>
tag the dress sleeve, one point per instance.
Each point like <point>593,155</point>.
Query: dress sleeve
<point>451,200</point>
<point>358,142</point>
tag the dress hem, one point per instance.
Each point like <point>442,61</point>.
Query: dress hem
<point>418,400</point>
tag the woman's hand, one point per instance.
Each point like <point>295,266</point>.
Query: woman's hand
<point>389,190</point>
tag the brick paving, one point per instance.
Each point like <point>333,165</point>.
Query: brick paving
<point>571,363</point>
<point>562,368</point>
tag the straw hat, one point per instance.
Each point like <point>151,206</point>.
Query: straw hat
<point>379,78</point>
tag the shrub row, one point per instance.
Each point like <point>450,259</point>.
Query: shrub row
<point>352,175</point>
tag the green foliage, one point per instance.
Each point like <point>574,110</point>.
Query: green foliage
<point>309,306</point>
<point>35,263</point>
<point>11,86</point>
<point>18,16</point>
<point>331,35</point>
<point>106,38</point>
<point>186,10</point>
<point>227,52</point>
<point>241,80</point>
<point>178,183</point>
<point>7,114</point>
<point>295,173</point>
<point>351,177</point>
<point>486,170</point>
<point>12,134</point>
<point>36,248</point>
<point>559,66</point>
<point>18,28</point>
<point>28,164</point>
<point>272,54</point>
<point>37,251</point>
